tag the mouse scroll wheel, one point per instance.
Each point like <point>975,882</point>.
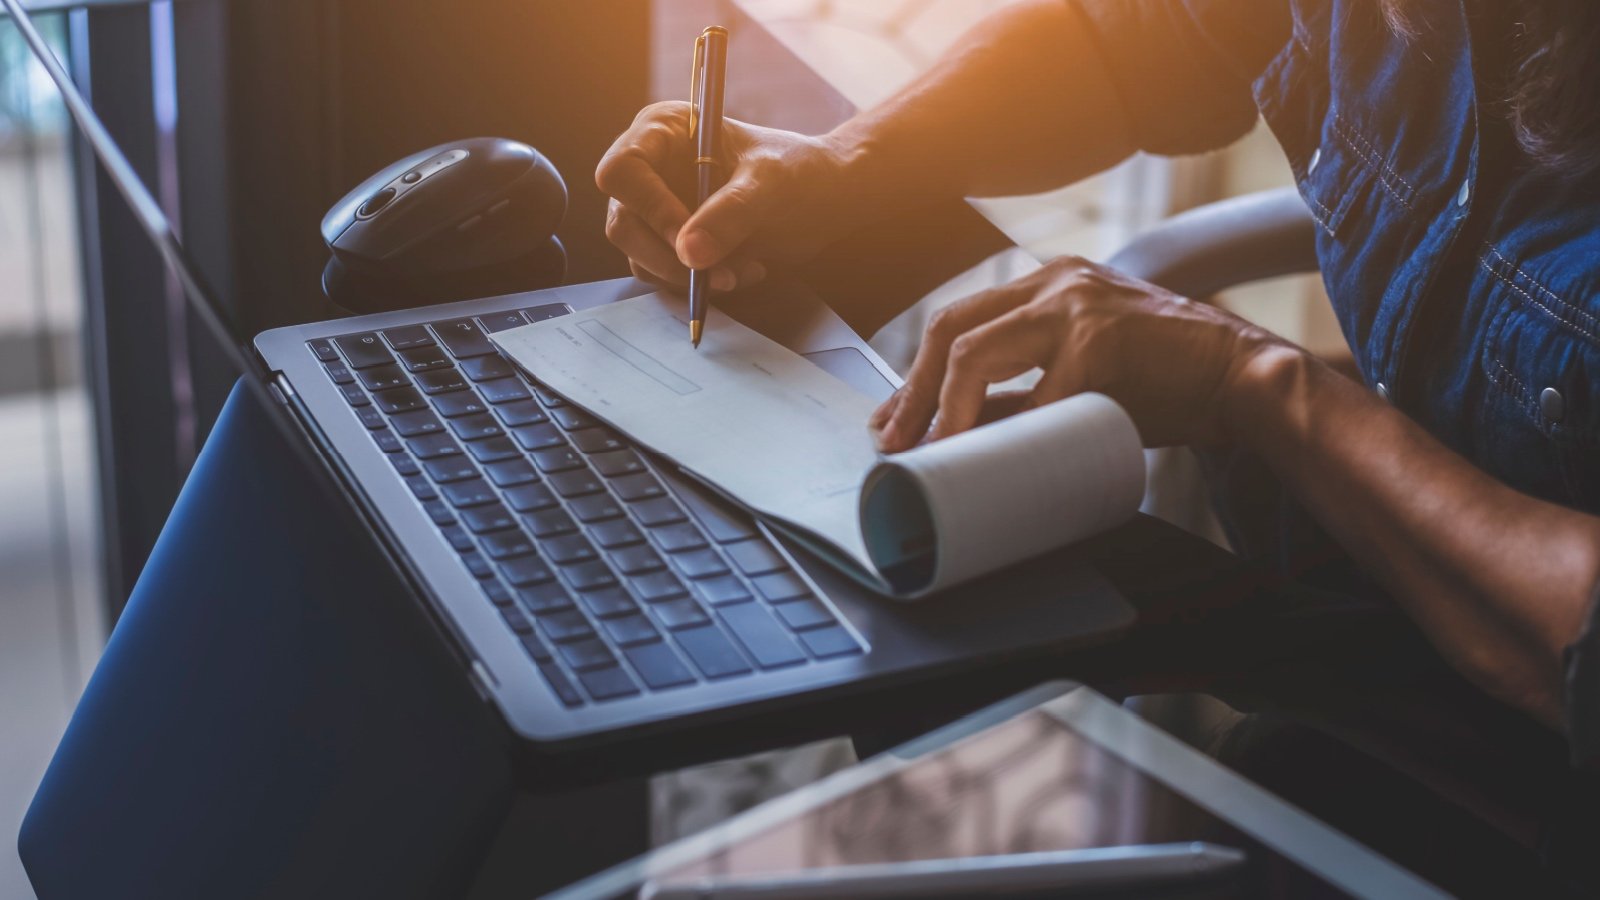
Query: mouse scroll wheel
<point>375,203</point>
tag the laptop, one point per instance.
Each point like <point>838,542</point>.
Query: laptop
<point>589,589</point>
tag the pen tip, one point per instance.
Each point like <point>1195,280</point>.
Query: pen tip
<point>695,327</point>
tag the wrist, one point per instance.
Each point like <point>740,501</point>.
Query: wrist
<point>1259,395</point>
<point>878,177</point>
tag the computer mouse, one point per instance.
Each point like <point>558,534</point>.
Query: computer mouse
<point>470,218</point>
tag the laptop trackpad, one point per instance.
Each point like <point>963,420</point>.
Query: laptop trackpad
<point>852,367</point>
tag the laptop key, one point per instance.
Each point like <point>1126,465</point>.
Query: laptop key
<point>680,613</point>
<point>576,483</point>
<point>586,576</point>
<point>699,563</point>
<point>548,523</point>
<point>545,597</point>
<point>755,557</point>
<point>440,512</point>
<point>502,321</point>
<point>723,522</point>
<point>458,538</point>
<point>618,463</point>
<point>613,534</point>
<point>660,511</point>
<point>560,684</point>
<point>518,622</point>
<point>389,442</point>
<point>475,492</point>
<point>538,437</point>
<point>536,648</point>
<point>658,666</point>
<point>636,559</point>
<point>371,417</point>
<point>422,487</point>
<point>722,590</point>
<point>475,428</point>
<point>588,654</point>
<point>450,468</point>
<point>493,449</point>
<point>608,684</point>
<point>523,571</point>
<point>830,641</point>
<point>568,549</point>
<point>440,382</point>
<point>520,412</point>
<point>403,463</point>
<point>417,422</point>
<point>625,631</point>
<point>781,586</point>
<point>596,508</point>
<point>460,403</point>
<point>492,518</point>
<point>487,368</point>
<point>477,565</point>
<point>364,350</point>
<point>597,440</point>
<point>339,372</point>
<point>678,538</point>
<point>383,378</point>
<point>607,602</point>
<point>423,358</point>
<point>711,652</point>
<point>557,459</point>
<point>408,336</point>
<point>510,473</point>
<point>653,587</point>
<point>547,311</point>
<point>567,625</point>
<point>768,642</point>
<point>572,418</point>
<point>354,395</point>
<point>463,338</point>
<point>496,592</point>
<point>637,487</point>
<point>400,400</point>
<point>323,350</point>
<point>503,390</point>
<point>804,613</point>
<point>530,497</point>
<point>549,398</point>
<point>433,446</point>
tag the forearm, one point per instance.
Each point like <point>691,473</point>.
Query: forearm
<point>1022,103</point>
<point>1500,581</point>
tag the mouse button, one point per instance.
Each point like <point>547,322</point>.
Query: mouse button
<point>376,203</point>
<point>411,177</point>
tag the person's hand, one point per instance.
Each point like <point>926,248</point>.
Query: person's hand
<point>784,198</point>
<point>1170,362</point>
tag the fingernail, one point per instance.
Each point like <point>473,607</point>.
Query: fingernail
<point>751,272</point>
<point>723,280</point>
<point>696,248</point>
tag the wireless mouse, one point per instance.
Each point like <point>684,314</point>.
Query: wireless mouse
<point>470,218</point>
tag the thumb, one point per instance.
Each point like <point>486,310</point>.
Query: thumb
<point>723,222</point>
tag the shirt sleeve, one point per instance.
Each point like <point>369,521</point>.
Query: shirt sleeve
<point>1582,698</point>
<point>1184,68</point>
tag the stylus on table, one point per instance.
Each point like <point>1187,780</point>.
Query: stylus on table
<point>705,131</point>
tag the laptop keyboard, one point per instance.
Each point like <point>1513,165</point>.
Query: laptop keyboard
<point>613,586</point>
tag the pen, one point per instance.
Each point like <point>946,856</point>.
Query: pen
<point>705,130</point>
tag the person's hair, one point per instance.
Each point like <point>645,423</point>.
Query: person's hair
<point>1551,95</point>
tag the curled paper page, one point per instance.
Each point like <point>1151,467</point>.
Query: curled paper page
<point>952,510</point>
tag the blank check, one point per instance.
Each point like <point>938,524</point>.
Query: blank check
<point>751,417</point>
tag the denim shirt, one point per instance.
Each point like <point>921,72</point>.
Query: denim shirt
<point>1466,281</point>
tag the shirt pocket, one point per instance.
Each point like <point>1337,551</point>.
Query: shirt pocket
<point>1540,425</point>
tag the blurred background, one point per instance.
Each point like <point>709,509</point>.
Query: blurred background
<point>250,117</point>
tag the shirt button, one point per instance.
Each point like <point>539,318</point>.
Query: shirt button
<point>1383,391</point>
<point>1316,157</point>
<point>1466,193</point>
<point>1552,404</point>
